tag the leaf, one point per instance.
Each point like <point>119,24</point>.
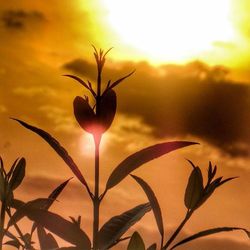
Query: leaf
<point>46,240</point>
<point>113,229</point>
<point>136,242</point>
<point>107,109</point>
<point>52,197</point>
<point>58,148</point>
<point>84,114</point>
<point>152,247</point>
<point>23,210</point>
<point>13,243</point>
<point>209,232</point>
<point>194,189</point>
<point>78,79</point>
<point>153,202</point>
<point>18,174</point>
<point>12,168</point>
<point>16,203</point>
<point>120,80</point>
<point>139,158</point>
<point>61,227</point>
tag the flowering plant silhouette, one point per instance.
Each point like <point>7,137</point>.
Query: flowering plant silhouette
<point>96,119</point>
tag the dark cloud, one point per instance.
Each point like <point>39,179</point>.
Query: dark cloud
<point>193,99</point>
<point>18,19</point>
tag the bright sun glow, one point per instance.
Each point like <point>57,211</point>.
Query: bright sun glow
<point>171,29</point>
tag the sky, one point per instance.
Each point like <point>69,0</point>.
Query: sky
<point>191,83</point>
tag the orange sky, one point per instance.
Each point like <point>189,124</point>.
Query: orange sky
<point>204,97</point>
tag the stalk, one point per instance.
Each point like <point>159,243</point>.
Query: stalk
<point>96,200</point>
<point>97,140</point>
<point>177,231</point>
<point>3,207</point>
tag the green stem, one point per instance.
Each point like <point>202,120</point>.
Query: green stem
<point>177,231</point>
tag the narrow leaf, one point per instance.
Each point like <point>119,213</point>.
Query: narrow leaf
<point>61,227</point>
<point>120,80</point>
<point>209,232</point>
<point>226,180</point>
<point>152,247</point>
<point>52,197</point>
<point>194,189</point>
<point>139,158</point>
<point>153,202</point>
<point>58,148</point>
<point>18,174</point>
<point>113,229</point>
<point>22,211</point>
<point>82,82</point>
<point>16,203</point>
<point>136,242</point>
<point>13,243</point>
<point>47,241</point>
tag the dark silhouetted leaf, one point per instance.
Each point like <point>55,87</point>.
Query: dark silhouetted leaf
<point>209,232</point>
<point>78,80</point>
<point>107,109</point>
<point>113,229</point>
<point>61,227</point>
<point>23,210</point>
<point>52,197</point>
<point>139,158</point>
<point>13,243</point>
<point>152,247</point>
<point>136,242</point>
<point>18,174</point>
<point>120,80</point>
<point>153,202</point>
<point>47,241</point>
<point>84,114</point>
<point>58,148</point>
<point>194,189</point>
<point>17,203</point>
<point>12,168</point>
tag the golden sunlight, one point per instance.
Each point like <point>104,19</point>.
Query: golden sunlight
<point>176,30</point>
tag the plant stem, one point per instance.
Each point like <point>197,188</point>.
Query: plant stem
<point>96,200</point>
<point>19,231</point>
<point>177,231</point>
<point>3,208</point>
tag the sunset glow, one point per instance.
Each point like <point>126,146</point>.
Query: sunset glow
<point>173,30</point>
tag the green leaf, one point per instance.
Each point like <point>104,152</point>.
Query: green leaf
<point>139,158</point>
<point>23,210</point>
<point>209,232</point>
<point>46,240</point>
<point>58,148</point>
<point>153,202</point>
<point>136,242</point>
<point>113,229</point>
<point>194,189</point>
<point>60,226</point>
<point>18,174</point>
<point>152,247</point>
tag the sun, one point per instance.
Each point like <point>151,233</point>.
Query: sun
<point>172,30</point>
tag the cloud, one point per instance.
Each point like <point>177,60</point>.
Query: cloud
<point>18,19</point>
<point>193,99</point>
